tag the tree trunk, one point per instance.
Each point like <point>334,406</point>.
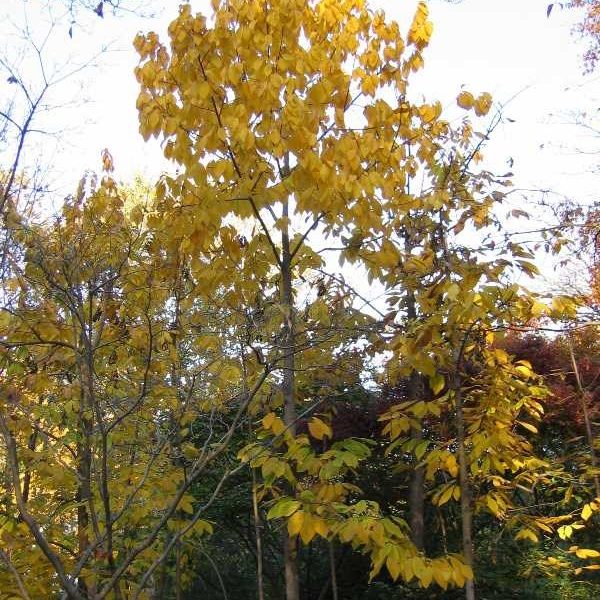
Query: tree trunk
<point>416,486</point>
<point>82,516</point>
<point>582,395</point>
<point>292,585</point>
<point>84,493</point>
<point>416,502</point>
<point>334,588</point>
<point>178,572</point>
<point>465,491</point>
<point>416,490</point>
<point>258,537</point>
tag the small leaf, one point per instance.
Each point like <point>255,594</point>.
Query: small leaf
<point>186,504</point>
<point>445,495</point>
<point>526,534</point>
<point>524,370</point>
<point>283,508</point>
<point>528,426</point>
<point>465,100</point>
<point>421,449</point>
<point>565,532</point>
<point>319,429</point>
<point>437,383</point>
<point>586,513</point>
<point>295,522</point>
<point>492,505</point>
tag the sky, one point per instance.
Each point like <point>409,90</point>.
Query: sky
<point>531,64</point>
<point>528,62</point>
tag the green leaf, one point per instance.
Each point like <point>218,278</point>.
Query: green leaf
<point>421,448</point>
<point>437,383</point>
<point>285,507</point>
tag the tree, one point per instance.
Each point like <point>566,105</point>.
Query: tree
<point>260,111</point>
<point>98,353</point>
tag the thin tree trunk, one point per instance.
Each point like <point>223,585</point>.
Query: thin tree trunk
<point>416,485</point>
<point>416,501</point>
<point>292,585</point>
<point>27,475</point>
<point>258,537</point>
<point>416,489</point>
<point>334,588</point>
<point>465,490</point>
<point>582,396</point>
<point>161,582</point>
<point>178,572</point>
<point>83,494</point>
<point>82,520</point>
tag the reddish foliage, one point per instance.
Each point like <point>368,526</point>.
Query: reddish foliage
<point>551,359</point>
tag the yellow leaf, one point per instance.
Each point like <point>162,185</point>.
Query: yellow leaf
<point>441,574</point>
<point>492,505</point>
<point>453,291</point>
<point>451,465</point>
<point>201,527</point>
<point>294,524</point>
<point>185,504</point>
<point>585,553</point>
<point>528,426</point>
<point>445,495</point>
<point>483,104</point>
<point>320,526</point>
<point>526,534</point>
<point>318,429</point>
<point>190,451</point>
<point>565,532</point>
<point>393,566</point>
<point>425,576</point>
<point>465,100</point>
<point>524,370</point>
<point>308,529</point>
<point>586,513</point>
<point>274,423</point>
<point>268,419</point>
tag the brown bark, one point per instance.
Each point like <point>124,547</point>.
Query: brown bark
<point>416,489</point>
<point>466,512</point>
<point>292,584</point>
<point>178,572</point>
<point>582,396</point>
<point>334,588</point>
<point>258,538</point>
<point>83,495</point>
<point>416,501</point>
<point>27,475</point>
<point>416,485</point>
